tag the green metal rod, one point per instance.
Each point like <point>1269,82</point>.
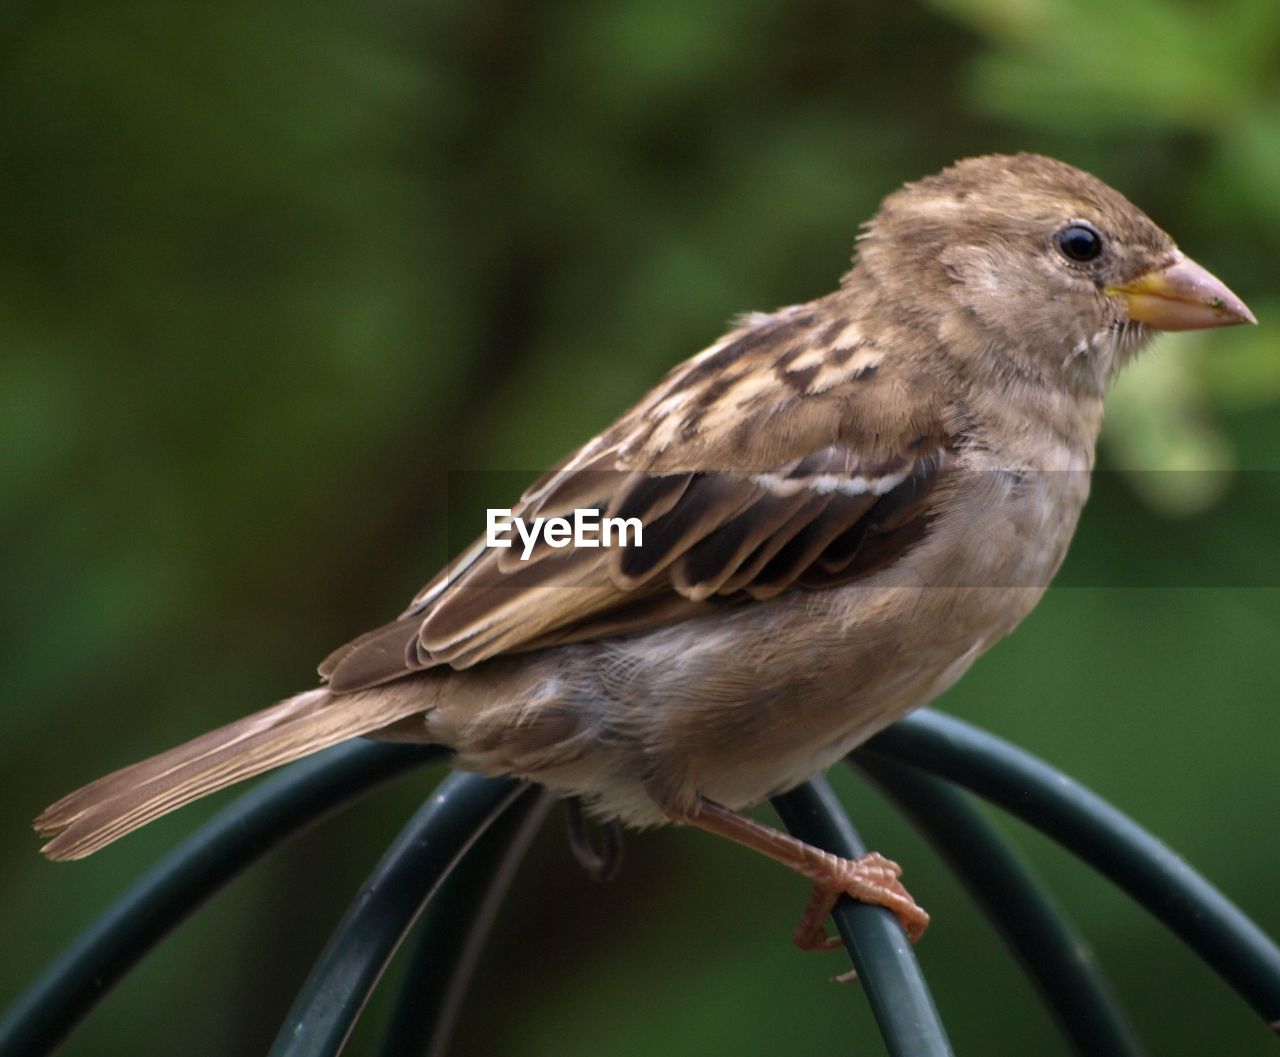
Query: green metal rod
<point>211,857</point>
<point>455,927</point>
<point>413,868</point>
<point>886,965</point>
<point>1050,951</point>
<point>1085,824</point>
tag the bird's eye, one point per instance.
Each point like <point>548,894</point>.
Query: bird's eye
<point>1079,242</point>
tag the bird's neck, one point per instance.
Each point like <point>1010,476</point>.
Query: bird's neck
<point>1037,428</point>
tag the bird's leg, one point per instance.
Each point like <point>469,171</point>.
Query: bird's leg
<point>870,878</point>
<point>601,863</point>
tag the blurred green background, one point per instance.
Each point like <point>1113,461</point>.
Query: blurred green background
<point>266,273</point>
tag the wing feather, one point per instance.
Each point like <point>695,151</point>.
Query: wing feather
<point>837,481</point>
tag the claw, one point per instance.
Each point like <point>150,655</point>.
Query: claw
<point>869,879</point>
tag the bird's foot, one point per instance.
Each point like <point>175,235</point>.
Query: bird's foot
<point>870,878</point>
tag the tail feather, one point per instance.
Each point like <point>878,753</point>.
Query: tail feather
<point>105,810</point>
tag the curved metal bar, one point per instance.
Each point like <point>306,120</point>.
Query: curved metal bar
<point>212,856</point>
<point>385,908</point>
<point>886,964</point>
<point>1210,924</point>
<point>456,927</point>
<point>1049,949</point>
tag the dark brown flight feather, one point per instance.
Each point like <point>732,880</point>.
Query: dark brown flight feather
<point>756,517</point>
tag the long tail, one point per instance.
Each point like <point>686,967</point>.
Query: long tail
<point>118,803</point>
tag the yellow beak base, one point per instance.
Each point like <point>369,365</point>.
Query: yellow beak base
<point>1182,296</point>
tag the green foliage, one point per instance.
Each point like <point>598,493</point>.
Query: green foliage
<point>266,274</point>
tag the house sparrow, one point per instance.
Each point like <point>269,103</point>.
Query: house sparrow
<point>844,503</point>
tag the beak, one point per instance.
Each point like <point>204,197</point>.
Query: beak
<point>1181,296</point>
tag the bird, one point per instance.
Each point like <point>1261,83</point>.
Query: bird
<point>841,505</point>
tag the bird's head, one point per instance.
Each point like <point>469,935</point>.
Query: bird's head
<point>1032,254</point>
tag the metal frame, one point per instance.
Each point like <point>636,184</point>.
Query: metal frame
<point>457,856</point>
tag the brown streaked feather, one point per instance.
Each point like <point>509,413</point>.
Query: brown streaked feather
<point>488,616</point>
<point>649,606</point>
<point>364,661</point>
<point>764,553</point>
<point>648,497</point>
<point>768,541</point>
<point>589,487</point>
<point>709,502</point>
<point>124,800</point>
<point>876,550</point>
<point>728,514</point>
<point>531,499</point>
<point>806,546</point>
<point>706,567</point>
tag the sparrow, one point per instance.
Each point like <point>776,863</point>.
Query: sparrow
<point>844,503</point>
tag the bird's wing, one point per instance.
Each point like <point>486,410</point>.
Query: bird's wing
<point>795,453</point>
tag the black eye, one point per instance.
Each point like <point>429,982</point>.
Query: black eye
<point>1079,242</point>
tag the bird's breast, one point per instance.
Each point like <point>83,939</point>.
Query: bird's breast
<point>746,702</point>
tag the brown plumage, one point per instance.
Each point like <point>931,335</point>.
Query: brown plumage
<point>844,504</point>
